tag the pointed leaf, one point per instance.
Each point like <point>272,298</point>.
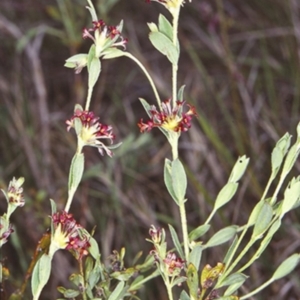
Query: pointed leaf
<point>168,179</point>
<point>179,180</point>
<point>226,194</point>
<point>287,266</point>
<point>165,26</point>
<point>176,241</point>
<point>239,169</point>
<point>263,220</point>
<point>222,236</point>
<point>76,171</point>
<point>198,232</point>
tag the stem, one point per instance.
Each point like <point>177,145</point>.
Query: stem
<point>82,274</point>
<point>88,99</point>
<point>175,66</point>
<point>257,290</point>
<point>169,289</point>
<point>147,75</point>
<point>242,254</point>
<point>184,230</point>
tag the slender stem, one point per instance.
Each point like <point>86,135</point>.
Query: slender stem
<point>242,254</point>
<point>169,289</point>
<point>88,99</point>
<point>175,66</point>
<point>184,230</point>
<point>257,290</point>
<point>82,274</point>
<point>147,75</point>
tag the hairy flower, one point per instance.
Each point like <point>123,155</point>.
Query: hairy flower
<point>156,234</point>
<point>90,131</point>
<point>172,119</point>
<point>15,192</point>
<point>5,230</point>
<point>104,36</point>
<point>174,264</point>
<point>69,235</point>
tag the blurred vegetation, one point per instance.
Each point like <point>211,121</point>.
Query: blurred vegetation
<point>241,66</point>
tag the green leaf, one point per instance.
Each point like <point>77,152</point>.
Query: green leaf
<point>146,106</point>
<point>279,152</point>
<point>222,236</point>
<point>198,232</point>
<point>180,93</point>
<point>176,241</point>
<point>291,159</point>
<point>112,53</point>
<point>165,46</point>
<point>94,275</point>
<point>287,266</point>
<point>263,220</point>
<point>76,171</point>
<point>69,293</point>
<point>192,281</point>
<point>118,291</point>
<point>195,255</point>
<point>179,180</point>
<point>168,179</point>
<point>239,169</point>
<point>254,214</point>
<point>123,275</point>
<point>94,71</point>
<point>40,275</point>
<point>226,194</point>
<point>235,278</point>
<point>94,248</point>
<point>231,250</point>
<point>291,196</point>
<point>165,26</point>
<point>184,296</point>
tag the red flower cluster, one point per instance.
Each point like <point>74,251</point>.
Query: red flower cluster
<point>92,130</point>
<point>76,240</point>
<point>169,118</point>
<point>174,263</point>
<point>104,32</point>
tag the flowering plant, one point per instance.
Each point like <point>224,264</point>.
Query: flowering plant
<point>180,265</point>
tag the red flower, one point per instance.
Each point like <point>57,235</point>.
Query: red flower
<point>92,131</point>
<point>174,263</point>
<point>69,235</point>
<point>169,118</point>
<point>104,36</point>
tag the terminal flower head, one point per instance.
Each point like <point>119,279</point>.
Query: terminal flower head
<point>15,192</point>
<point>174,264</point>
<point>90,131</point>
<point>171,5</point>
<point>69,235</point>
<point>171,119</point>
<point>105,36</point>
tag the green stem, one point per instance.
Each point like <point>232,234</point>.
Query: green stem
<point>147,75</point>
<point>175,66</point>
<point>88,99</point>
<point>184,230</point>
<point>242,254</point>
<point>169,289</point>
<point>263,286</point>
<point>153,275</point>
